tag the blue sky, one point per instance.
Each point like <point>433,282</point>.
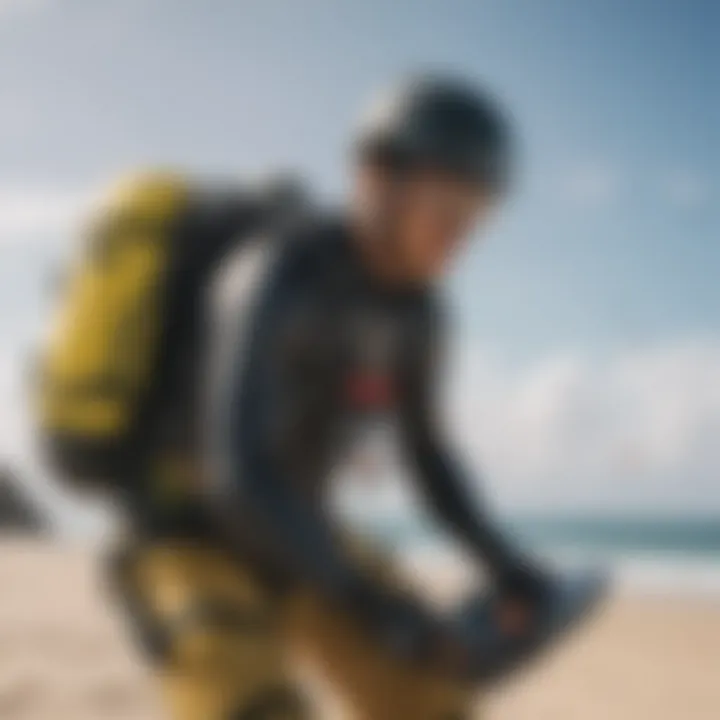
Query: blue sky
<point>608,251</point>
<point>621,98</point>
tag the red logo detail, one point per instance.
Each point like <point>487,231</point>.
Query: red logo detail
<point>370,391</point>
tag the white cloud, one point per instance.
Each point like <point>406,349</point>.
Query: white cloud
<point>32,211</point>
<point>599,184</point>
<point>637,430</point>
<point>686,190</point>
<point>11,404</point>
<point>591,185</point>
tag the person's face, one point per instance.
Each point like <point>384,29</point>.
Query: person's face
<point>425,216</point>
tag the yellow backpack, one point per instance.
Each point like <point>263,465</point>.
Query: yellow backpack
<point>133,292</point>
<point>101,356</point>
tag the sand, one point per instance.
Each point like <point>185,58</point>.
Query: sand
<point>63,654</point>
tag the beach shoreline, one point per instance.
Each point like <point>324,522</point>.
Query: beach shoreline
<point>63,653</point>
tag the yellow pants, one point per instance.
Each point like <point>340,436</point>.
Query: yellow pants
<point>232,644</point>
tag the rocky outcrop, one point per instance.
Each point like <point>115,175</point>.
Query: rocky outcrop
<point>18,514</point>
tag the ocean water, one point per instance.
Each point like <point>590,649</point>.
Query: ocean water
<point>659,555</point>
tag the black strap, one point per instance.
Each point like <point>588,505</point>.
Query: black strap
<point>275,703</point>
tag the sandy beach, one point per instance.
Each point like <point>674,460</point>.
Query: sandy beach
<point>63,655</point>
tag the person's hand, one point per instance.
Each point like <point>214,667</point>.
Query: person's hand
<point>415,634</point>
<point>521,587</point>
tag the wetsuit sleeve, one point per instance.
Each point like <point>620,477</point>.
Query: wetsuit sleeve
<point>259,498</point>
<point>437,469</point>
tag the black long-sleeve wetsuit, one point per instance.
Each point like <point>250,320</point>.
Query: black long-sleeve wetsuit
<point>307,344</point>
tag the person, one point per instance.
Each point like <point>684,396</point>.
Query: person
<point>325,325</point>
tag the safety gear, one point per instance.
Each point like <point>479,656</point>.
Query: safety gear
<point>131,300</point>
<point>227,638</point>
<point>439,122</point>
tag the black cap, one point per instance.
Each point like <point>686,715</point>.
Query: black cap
<point>443,122</point>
